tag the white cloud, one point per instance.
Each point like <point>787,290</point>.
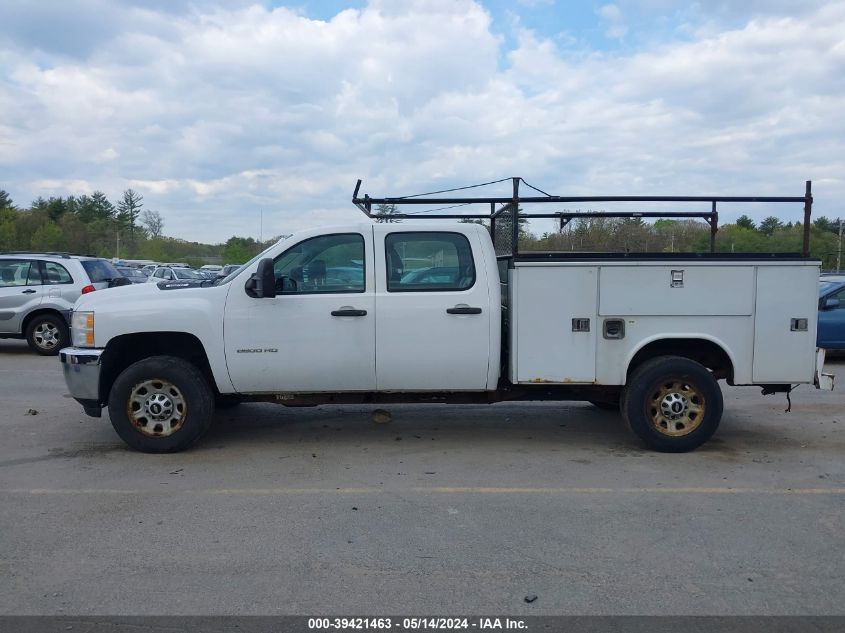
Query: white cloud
<point>611,16</point>
<point>215,114</point>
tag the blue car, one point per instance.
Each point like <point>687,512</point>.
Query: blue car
<point>831,332</point>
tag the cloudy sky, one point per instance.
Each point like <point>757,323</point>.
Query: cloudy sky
<point>217,110</point>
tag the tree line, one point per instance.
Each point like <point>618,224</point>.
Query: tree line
<point>602,234</point>
<point>94,225</point>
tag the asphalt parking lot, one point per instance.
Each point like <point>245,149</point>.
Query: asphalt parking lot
<point>443,510</point>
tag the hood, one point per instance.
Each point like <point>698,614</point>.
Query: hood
<point>134,292</point>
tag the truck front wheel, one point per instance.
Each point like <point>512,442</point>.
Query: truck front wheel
<point>161,404</point>
<point>673,404</point>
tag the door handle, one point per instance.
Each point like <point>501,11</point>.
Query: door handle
<point>349,312</point>
<point>28,292</point>
<point>463,310</point>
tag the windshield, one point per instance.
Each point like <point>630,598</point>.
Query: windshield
<point>100,270</point>
<point>187,273</point>
<point>827,286</point>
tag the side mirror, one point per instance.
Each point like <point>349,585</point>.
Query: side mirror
<point>831,303</point>
<point>262,283</point>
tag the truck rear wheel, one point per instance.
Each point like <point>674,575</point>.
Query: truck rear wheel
<point>673,404</point>
<point>161,404</point>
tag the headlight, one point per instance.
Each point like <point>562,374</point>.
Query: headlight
<point>82,329</point>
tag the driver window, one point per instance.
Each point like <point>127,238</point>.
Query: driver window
<point>325,264</point>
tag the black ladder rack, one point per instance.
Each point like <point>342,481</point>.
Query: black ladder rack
<point>510,207</point>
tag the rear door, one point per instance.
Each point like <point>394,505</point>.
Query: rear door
<point>433,328</point>
<point>60,287</point>
<point>21,291</point>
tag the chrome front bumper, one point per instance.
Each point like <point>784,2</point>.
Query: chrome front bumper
<point>81,368</point>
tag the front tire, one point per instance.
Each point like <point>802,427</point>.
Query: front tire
<point>672,404</point>
<point>47,334</point>
<point>161,404</point>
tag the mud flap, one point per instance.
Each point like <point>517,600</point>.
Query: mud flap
<point>822,380</point>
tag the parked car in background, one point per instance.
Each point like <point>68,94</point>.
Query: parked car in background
<point>148,269</point>
<point>38,290</point>
<point>831,329</point>
<point>211,268</point>
<point>171,273</point>
<point>446,275</point>
<point>135,275</point>
<point>227,270</point>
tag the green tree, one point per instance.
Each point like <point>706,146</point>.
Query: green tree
<point>47,237</point>
<point>386,210</point>
<point>128,210</point>
<point>101,208</point>
<point>824,224</point>
<point>93,207</point>
<point>8,228</point>
<point>769,225</point>
<point>5,200</point>
<point>745,222</point>
<point>74,234</point>
<point>238,250</point>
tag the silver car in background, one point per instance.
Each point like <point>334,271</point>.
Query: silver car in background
<point>38,290</point>
<point>174,273</point>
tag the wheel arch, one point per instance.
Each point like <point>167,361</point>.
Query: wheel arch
<point>706,350</point>
<point>122,351</point>
<point>40,312</point>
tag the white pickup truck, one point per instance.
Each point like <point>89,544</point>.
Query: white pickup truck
<point>376,313</point>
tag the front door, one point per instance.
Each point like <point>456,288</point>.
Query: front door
<point>433,329</point>
<point>318,333</point>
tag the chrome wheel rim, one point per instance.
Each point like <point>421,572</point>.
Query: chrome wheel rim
<point>676,408</point>
<point>157,408</point>
<point>46,335</point>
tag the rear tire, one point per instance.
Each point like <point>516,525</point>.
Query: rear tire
<point>47,334</point>
<point>161,404</point>
<point>672,404</point>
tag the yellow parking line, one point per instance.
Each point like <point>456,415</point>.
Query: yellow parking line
<point>434,490</point>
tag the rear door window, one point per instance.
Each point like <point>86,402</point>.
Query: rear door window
<point>428,261</point>
<point>56,274</point>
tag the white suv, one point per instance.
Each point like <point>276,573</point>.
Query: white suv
<point>38,290</point>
